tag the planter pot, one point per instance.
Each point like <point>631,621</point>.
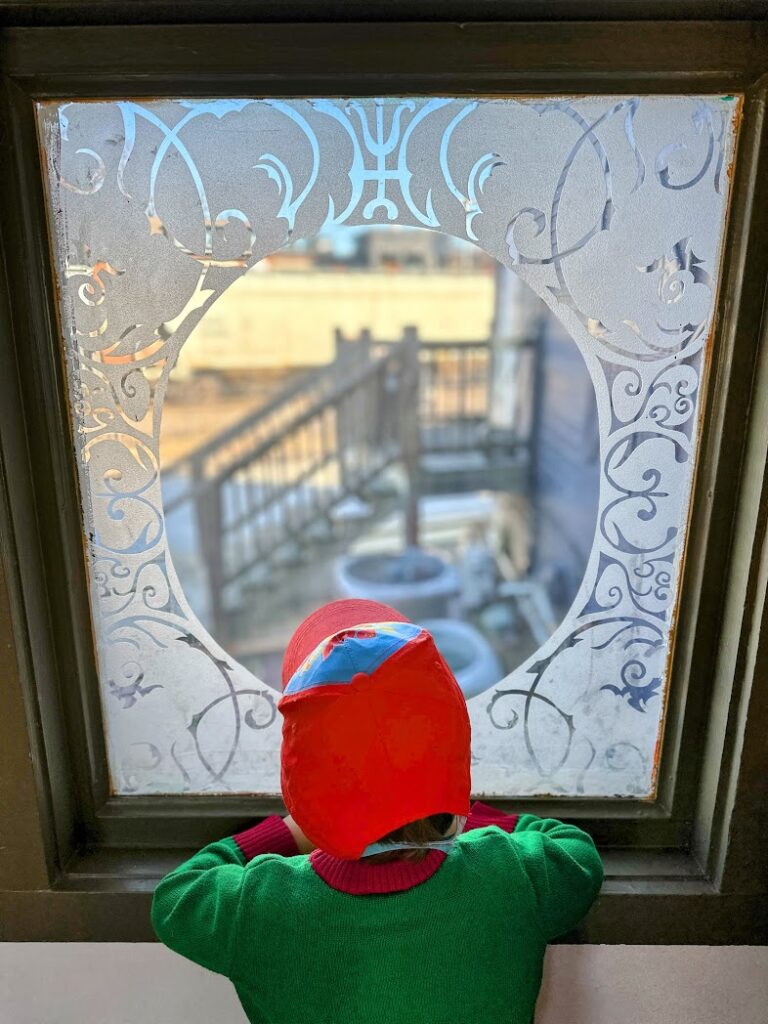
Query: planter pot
<point>419,584</point>
<point>470,656</point>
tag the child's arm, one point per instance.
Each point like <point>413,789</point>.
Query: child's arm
<point>563,867</point>
<point>481,814</point>
<point>194,908</point>
<point>560,861</point>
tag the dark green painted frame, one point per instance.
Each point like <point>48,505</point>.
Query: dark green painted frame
<point>76,863</point>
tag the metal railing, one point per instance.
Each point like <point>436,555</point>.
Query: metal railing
<point>265,490</point>
<point>454,394</point>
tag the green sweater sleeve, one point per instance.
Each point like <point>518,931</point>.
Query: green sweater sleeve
<point>194,908</point>
<point>563,867</point>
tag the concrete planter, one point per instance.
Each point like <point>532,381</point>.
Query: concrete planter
<point>470,656</point>
<point>416,582</point>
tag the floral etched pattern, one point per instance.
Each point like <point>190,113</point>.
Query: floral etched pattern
<point>610,209</point>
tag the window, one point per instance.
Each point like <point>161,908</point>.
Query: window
<point>629,216</point>
<point>152,226</point>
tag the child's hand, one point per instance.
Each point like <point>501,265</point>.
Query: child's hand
<point>304,845</point>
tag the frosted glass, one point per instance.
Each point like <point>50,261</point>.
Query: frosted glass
<point>610,209</point>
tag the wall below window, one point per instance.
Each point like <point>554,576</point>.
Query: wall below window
<point>123,983</point>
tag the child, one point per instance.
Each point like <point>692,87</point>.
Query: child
<point>382,898</point>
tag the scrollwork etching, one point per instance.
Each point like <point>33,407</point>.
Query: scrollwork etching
<point>610,209</point>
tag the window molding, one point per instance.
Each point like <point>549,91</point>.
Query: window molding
<point>81,864</point>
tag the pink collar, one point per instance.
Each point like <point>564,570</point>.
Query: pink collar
<point>358,878</point>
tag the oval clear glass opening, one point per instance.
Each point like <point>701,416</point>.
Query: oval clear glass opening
<point>388,413</point>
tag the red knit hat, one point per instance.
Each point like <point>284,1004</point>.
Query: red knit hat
<point>375,727</point>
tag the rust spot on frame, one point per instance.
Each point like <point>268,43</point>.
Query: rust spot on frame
<point>736,118</point>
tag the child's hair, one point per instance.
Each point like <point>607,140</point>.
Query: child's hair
<point>425,830</point>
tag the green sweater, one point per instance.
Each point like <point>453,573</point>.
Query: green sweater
<point>462,946</point>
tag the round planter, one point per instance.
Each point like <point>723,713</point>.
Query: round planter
<point>416,582</point>
<point>470,656</point>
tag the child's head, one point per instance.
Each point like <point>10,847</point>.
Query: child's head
<point>375,735</point>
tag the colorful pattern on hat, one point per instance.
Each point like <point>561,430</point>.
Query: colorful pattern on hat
<point>360,650</point>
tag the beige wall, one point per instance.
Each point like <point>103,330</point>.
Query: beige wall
<point>274,319</point>
<point>121,983</point>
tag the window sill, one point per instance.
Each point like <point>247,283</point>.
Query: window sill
<point>647,898</point>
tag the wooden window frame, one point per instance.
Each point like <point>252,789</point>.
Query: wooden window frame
<point>78,863</point>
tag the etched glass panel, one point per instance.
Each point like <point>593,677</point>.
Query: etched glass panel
<point>279,397</point>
